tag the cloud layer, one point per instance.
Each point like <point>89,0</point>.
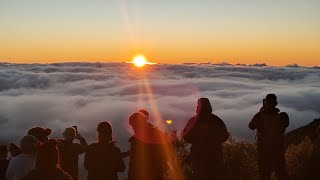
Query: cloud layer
<point>82,94</point>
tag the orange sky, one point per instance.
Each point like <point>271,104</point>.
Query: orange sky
<point>166,32</point>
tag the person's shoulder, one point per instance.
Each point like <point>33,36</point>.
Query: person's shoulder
<point>92,146</point>
<point>193,118</point>
<point>114,147</point>
<point>216,117</point>
<point>259,114</point>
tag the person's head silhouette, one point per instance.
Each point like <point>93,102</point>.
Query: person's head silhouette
<point>27,144</point>
<point>138,121</point>
<point>270,101</point>
<point>105,131</point>
<point>69,134</point>
<point>204,106</point>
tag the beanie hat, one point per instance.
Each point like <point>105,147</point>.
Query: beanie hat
<point>272,98</point>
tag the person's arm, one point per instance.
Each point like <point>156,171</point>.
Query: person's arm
<point>254,122</point>
<point>284,118</point>
<point>119,163</point>
<point>87,158</point>
<point>187,131</point>
<point>82,147</point>
<point>223,134</point>
<point>9,173</point>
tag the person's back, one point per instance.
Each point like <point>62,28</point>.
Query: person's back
<point>47,163</point>
<point>206,132</point>
<point>69,151</point>
<point>20,165</point>
<point>103,159</point>
<point>148,160</point>
<point>270,126</point>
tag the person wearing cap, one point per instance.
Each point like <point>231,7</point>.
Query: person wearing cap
<point>146,114</point>
<point>40,133</point>
<point>103,159</point>
<point>69,151</point>
<point>20,165</point>
<point>270,126</point>
<point>148,160</point>
<point>206,133</point>
<point>47,163</point>
<point>3,161</point>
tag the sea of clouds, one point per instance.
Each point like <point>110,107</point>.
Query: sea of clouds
<point>83,94</point>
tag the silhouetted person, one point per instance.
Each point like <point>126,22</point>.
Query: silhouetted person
<point>20,165</point>
<point>270,126</point>
<point>3,161</point>
<point>206,132</point>
<point>69,151</point>
<point>146,113</point>
<point>147,157</point>
<point>14,150</point>
<point>40,133</point>
<point>47,163</point>
<point>103,159</point>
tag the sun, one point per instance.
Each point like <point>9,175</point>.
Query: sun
<point>139,60</point>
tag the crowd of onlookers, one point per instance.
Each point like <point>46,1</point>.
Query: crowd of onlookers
<point>39,158</point>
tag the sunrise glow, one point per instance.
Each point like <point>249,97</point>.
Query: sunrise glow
<point>139,61</point>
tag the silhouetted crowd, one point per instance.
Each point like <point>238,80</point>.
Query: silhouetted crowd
<point>40,158</point>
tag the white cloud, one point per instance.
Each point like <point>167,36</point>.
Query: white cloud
<point>61,95</point>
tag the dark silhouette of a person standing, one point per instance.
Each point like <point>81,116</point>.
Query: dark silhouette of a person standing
<point>148,160</point>
<point>270,126</point>
<point>206,132</point>
<point>103,159</point>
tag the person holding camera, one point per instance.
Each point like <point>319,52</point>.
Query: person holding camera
<point>270,125</point>
<point>69,151</point>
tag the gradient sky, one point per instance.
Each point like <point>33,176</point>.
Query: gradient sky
<point>276,32</point>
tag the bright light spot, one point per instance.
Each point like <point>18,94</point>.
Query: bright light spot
<point>169,121</point>
<point>139,61</point>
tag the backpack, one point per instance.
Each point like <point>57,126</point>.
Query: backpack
<point>271,128</point>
